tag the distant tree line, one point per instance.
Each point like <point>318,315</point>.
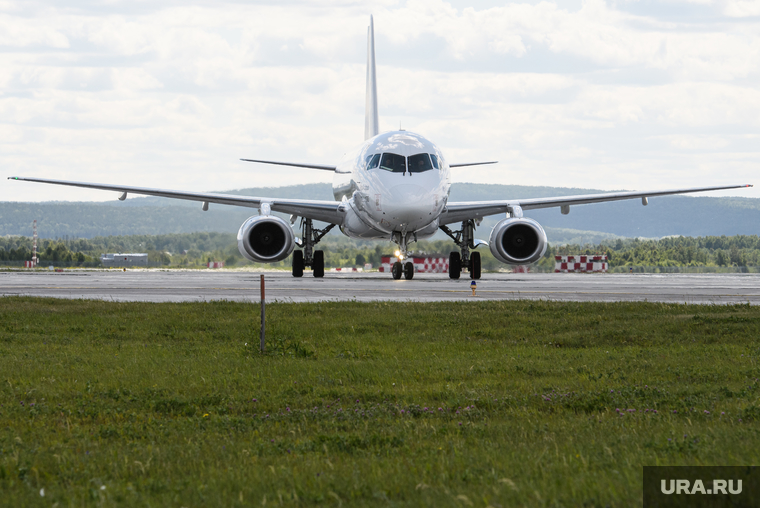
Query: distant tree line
<point>184,249</point>
<point>20,249</point>
<point>196,249</point>
<point>720,251</point>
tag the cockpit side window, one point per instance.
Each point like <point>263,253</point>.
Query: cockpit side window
<point>393,162</point>
<point>419,163</point>
<point>373,161</point>
<point>434,158</point>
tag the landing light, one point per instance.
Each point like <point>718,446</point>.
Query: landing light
<point>398,254</point>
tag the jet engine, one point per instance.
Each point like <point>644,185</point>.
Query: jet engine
<point>265,239</point>
<point>517,241</point>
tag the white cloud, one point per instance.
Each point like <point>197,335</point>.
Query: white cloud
<point>14,34</point>
<point>742,8</point>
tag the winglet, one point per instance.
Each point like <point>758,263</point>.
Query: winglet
<point>371,126</point>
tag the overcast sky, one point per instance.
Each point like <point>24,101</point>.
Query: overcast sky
<point>170,94</point>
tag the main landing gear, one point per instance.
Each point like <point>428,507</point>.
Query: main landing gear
<point>398,268</point>
<point>308,256</point>
<point>465,261</point>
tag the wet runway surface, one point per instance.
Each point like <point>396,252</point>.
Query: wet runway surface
<point>201,285</point>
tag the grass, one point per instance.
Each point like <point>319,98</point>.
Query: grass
<point>368,404</point>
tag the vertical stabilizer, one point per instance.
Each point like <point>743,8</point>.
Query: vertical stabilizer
<point>371,128</point>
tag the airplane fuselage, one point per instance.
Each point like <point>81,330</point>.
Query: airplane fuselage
<point>397,182</point>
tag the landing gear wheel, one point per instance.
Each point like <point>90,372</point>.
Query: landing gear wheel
<point>409,270</point>
<point>396,270</point>
<point>455,265</point>
<point>298,263</point>
<point>475,265</point>
<point>318,264</point>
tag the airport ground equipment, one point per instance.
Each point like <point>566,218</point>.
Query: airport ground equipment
<point>596,263</point>
<point>124,260</point>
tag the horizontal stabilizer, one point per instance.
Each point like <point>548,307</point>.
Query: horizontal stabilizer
<point>294,164</point>
<point>462,164</point>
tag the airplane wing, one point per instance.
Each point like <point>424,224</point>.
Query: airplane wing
<point>461,211</point>
<point>323,167</point>
<point>325,211</point>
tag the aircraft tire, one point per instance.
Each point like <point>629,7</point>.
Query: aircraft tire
<point>475,265</point>
<point>396,270</point>
<point>455,265</point>
<point>298,263</point>
<point>318,264</point>
<point>409,271</point>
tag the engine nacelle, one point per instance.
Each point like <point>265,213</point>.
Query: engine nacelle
<point>265,239</point>
<point>518,241</point>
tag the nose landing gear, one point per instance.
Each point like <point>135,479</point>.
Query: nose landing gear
<point>406,269</point>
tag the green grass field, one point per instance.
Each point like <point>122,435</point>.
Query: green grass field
<point>401,404</point>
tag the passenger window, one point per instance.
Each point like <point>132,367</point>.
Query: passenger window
<point>375,160</point>
<point>434,158</point>
<point>419,163</point>
<point>393,163</point>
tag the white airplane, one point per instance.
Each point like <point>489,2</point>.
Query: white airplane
<point>394,186</point>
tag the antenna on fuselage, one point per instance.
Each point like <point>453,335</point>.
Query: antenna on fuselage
<point>371,126</point>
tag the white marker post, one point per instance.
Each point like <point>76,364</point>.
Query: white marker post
<point>263,315</point>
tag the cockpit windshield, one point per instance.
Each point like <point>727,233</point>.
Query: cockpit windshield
<point>419,163</point>
<point>434,158</point>
<point>373,161</point>
<point>393,163</point>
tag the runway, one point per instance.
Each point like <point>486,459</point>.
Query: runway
<point>205,285</point>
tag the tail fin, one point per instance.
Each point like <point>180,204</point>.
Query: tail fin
<point>371,128</point>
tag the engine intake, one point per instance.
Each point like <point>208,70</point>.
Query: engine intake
<point>265,239</point>
<point>518,241</point>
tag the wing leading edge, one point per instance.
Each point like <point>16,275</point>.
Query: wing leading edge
<point>325,211</point>
<point>461,211</point>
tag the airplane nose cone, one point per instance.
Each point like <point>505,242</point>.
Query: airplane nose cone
<point>408,203</point>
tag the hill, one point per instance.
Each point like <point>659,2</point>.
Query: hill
<point>675,215</point>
